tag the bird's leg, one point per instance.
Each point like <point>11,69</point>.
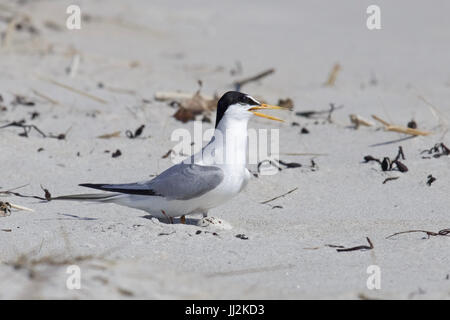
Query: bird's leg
<point>183,219</point>
<point>168,218</point>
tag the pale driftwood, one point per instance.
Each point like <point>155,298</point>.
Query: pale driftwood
<point>357,120</point>
<point>177,96</point>
<point>333,75</point>
<point>381,120</point>
<point>16,206</point>
<point>401,129</point>
<point>109,135</point>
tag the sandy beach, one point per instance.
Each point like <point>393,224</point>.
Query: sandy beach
<point>76,85</point>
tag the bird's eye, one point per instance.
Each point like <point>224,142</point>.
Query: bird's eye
<point>249,101</point>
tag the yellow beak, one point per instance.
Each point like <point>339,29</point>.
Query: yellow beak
<point>264,106</point>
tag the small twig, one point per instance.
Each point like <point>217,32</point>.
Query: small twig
<point>238,84</point>
<point>443,232</point>
<point>73,69</point>
<point>272,163</point>
<point>280,196</point>
<point>333,75</point>
<point>311,113</point>
<point>381,120</point>
<point>430,180</point>
<point>8,192</point>
<point>16,206</point>
<point>167,154</point>
<point>401,129</point>
<point>358,121</point>
<point>290,164</point>
<point>369,247</point>
<point>390,179</point>
<point>77,91</point>
<point>109,135</point>
<point>26,127</point>
<point>177,96</point>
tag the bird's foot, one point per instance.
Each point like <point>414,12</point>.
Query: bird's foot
<point>214,222</point>
<point>170,219</point>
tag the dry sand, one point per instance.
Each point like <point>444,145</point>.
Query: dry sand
<point>142,47</point>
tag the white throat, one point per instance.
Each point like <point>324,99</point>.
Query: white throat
<point>229,144</point>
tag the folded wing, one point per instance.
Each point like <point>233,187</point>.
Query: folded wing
<point>180,182</point>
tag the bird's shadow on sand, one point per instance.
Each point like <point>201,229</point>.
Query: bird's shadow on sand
<point>71,217</point>
<point>189,221</point>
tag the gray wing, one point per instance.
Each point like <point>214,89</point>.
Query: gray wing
<point>180,182</point>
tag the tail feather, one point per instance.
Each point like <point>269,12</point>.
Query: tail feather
<point>95,197</point>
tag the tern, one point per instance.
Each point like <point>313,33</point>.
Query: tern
<point>202,181</point>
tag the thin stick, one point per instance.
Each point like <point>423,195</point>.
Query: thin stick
<point>121,90</point>
<point>443,232</point>
<point>62,85</point>
<point>413,132</point>
<point>170,95</point>
<point>238,84</point>
<point>401,129</point>
<point>43,96</point>
<point>280,196</point>
<point>358,120</point>
<point>16,188</point>
<point>109,135</point>
<point>390,179</point>
<point>303,154</point>
<point>21,195</point>
<point>333,75</point>
<point>381,120</point>
<point>16,206</point>
<point>74,66</point>
<point>369,247</point>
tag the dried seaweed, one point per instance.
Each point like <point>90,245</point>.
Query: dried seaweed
<point>387,164</point>
<point>116,153</point>
<point>430,180</point>
<point>358,248</point>
<point>241,236</point>
<point>443,232</point>
<point>437,151</point>
<point>28,127</point>
<point>390,179</point>
<point>136,133</point>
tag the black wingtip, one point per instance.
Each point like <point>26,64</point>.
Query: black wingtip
<point>92,185</point>
<point>117,188</point>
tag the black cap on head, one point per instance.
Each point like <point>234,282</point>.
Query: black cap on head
<point>230,98</point>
